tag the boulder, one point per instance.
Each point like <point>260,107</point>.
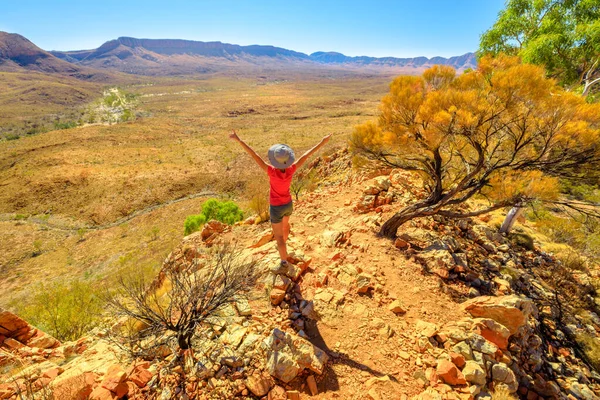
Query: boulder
<point>492,331</point>
<point>212,228</point>
<point>76,387</point>
<point>277,296</point>
<point>511,311</point>
<point>258,384</point>
<point>474,374</point>
<point>427,329</point>
<point>502,374</point>
<point>277,393</point>
<point>450,373</point>
<point>288,354</point>
<point>114,376</point>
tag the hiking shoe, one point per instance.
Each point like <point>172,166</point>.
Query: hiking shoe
<point>281,268</point>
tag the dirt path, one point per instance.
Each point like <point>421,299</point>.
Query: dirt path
<point>372,349</point>
<point>61,226</point>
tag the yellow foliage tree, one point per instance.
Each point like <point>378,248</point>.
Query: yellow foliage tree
<point>503,130</point>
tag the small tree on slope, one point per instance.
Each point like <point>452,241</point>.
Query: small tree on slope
<point>189,298</point>
<point>504,131</point>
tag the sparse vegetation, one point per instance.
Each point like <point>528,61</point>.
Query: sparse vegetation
<point>303,181</point>
<point>224,211</point>
<point>258,192</point>
<point>591,346</point>
<point>502,393</point>
<point>188,301</point>
<point>66,310</point>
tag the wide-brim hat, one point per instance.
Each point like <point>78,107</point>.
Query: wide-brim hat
<point>281,156</point>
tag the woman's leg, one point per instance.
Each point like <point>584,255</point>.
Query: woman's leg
<point>286,228</point>
<point>281,240</point>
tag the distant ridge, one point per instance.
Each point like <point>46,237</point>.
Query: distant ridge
<point>18,53</point>
<point>177,56</point>
<point>459,62</point>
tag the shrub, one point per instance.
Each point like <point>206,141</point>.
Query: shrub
<point>64,310</point>
<point>591,347</point>
<point>502,393</point>
<point>303,182</point>
<point>258,192</point>
<point>191,298</point>
<point>224,211</point>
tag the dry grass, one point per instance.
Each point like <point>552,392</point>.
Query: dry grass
<point>502,393</point>
<point>94,175</point>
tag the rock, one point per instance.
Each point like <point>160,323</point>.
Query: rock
<point>450,373</point>
<point>434,258</point>
<point>309,311</point>
<point>277,296</point>
<point>101,393</point>
<point>277,393</point>
<point>397,307</point>
<point>492,331</point>
<point>501,374</point>
<point>43,341</point>
<point>213,228</point>
<point>281,282</point>
<point>288,354</point>
<point>464,350</point>
<point>428,394</point>
<point>11,323</point>
<point>401,244</point>
<point>312,385</point>
<point>511,311</point>
<point>258,384</point>
<point>293,395</point>
<point>242,306</point>
<point>382,183</point>
<point>474,374</point>
<point>76,386</point>
<point>457,359</point>
<point>331,238</point>
<point>479,344</point>
<point>140,376</point>
<point>581,391</point>
<point>264,239</point>
<point>363,283</point>
<point>113,377</point>
<point>427,329</point>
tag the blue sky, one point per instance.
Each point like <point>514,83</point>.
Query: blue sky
<point>402,28</point>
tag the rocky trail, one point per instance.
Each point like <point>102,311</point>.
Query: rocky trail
<point>74,226</point>
<point>429,316</point>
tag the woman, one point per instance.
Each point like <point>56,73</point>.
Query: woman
<point>280,174</point>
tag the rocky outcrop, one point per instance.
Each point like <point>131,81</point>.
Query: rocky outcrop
<point>510,311</point>
<point>16,333</point>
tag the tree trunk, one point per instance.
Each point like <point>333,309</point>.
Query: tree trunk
<point>390,227</point>
<point>511,218</point>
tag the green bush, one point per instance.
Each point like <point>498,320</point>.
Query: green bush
<point>65,310</point>
<point>224,211</point>
<point>591,347</point>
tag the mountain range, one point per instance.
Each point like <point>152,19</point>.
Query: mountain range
<point>176,56</point>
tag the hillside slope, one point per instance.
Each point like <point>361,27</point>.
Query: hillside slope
<point>439,314</point>
<point>18,54</point>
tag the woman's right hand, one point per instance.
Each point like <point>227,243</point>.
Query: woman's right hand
<point>234,136</point>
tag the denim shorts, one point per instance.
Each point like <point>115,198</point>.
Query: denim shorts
<point>278,212</point>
